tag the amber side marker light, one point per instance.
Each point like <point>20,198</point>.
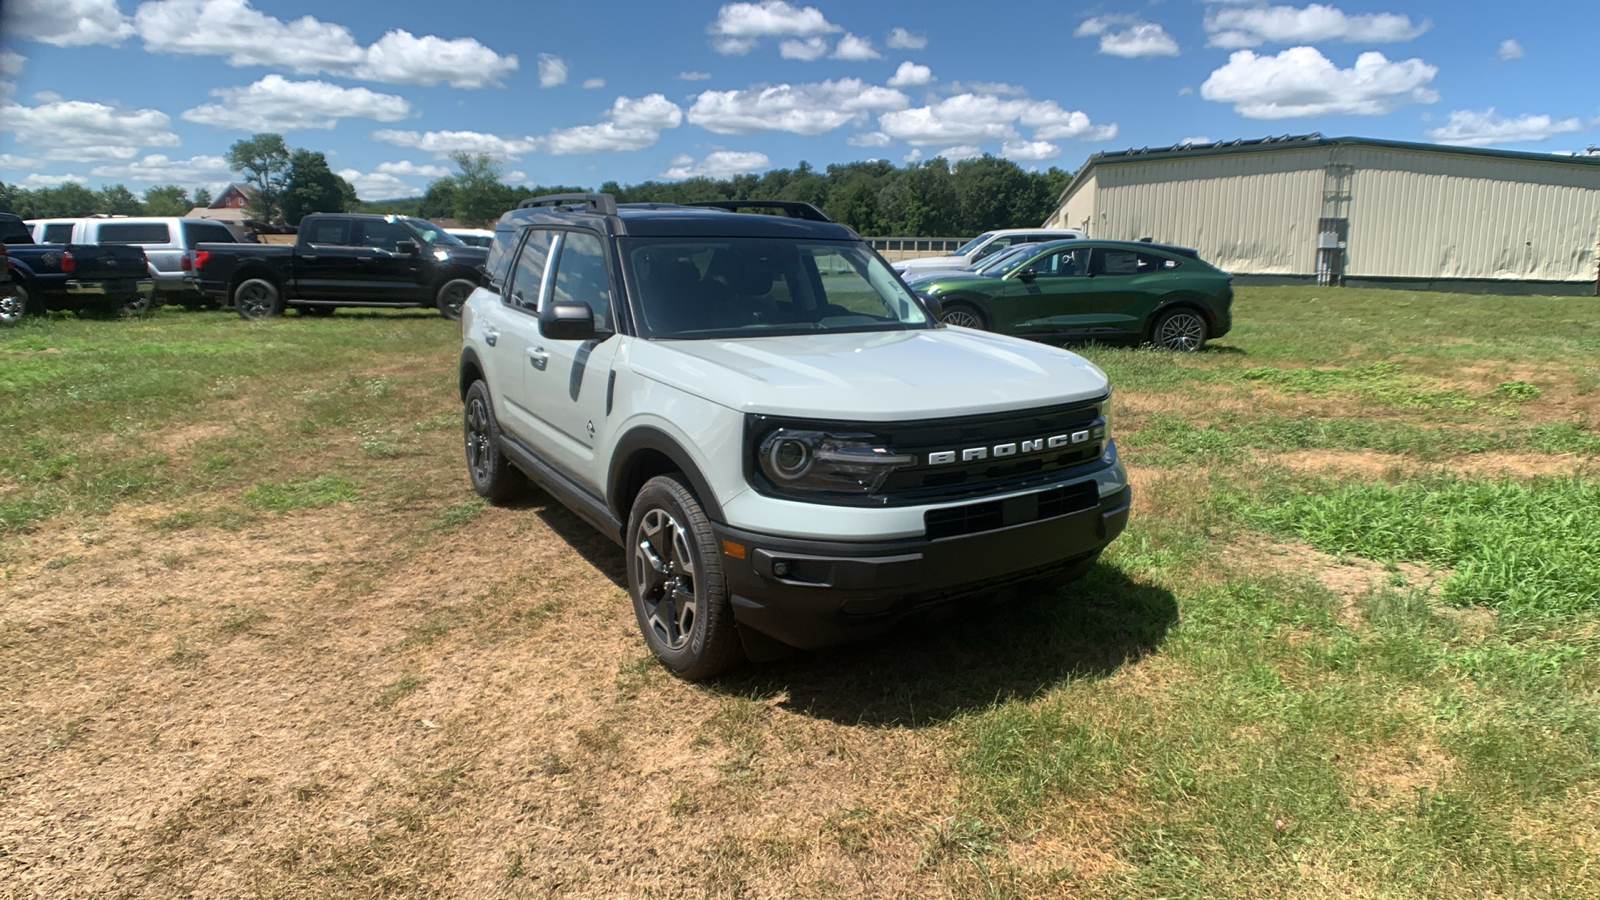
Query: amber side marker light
<point>733,549</point>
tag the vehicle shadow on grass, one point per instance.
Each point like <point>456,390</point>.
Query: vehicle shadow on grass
<point>972,654</point>
<point>965,656</point>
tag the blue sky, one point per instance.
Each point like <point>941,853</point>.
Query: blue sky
<point>103,91</point>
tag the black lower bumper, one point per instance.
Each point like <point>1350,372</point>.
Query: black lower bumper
<point>811,594</point>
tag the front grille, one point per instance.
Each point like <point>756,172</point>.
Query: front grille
<point>972,518</point>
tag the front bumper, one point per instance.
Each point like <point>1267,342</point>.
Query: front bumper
<point>833,592</point>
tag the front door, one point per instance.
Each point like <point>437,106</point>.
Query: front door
<point>1055,298</point>
<point>568,379</point>
<point>390,274</point>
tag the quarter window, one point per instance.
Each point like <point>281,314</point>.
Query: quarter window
<point>528,276</point>
<point>203,233</point>
<point>581,276</point>
<point>1119,262</point>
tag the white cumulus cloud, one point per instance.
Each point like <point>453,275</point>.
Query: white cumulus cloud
<point>797,108</point>
<point>911,74</point>
<point>68,23</point>
<point>158,169</point>
<point>718,164</point>
<point>405,168</point>
<point>36,180</point>
<point>378,185</point>
<point>869,139</point>
<point>81,131</point>
<point>739,27</point>
<point>901,39</point>
<point>1471,128</point>
<point>1300,81</point>
<point>245,36</point>
<point>855,49</point>
<point>444,143</point>
<point>552,70</point>
<point>806,49</point>
<point>631,125</point>
<point>1128,36</point>
<point>277,104</point>
<point>1510,49</point>
<point>956,154</point>
<point>976,118</point>
<point>590,84</point>
<point>1029,151</point>
<point>1232,27</point>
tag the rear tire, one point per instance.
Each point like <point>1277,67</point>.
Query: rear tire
<point>138,305</point>
<point>1181,330</point>
<point>964,315</point>
<point>13,308</point>
<point>452,296</point>
<point>680,595</point>
<point>491,474</point>
<point>257,298</point>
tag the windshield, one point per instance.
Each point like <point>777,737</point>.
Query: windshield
<point>972,245</point>
<point>752,287</point>
<point>983,267</point>
<point>432,233</point>
<point>1005,263</point>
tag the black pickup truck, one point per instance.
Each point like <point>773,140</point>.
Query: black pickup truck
<point>69,276</point>
<point>344,260</point>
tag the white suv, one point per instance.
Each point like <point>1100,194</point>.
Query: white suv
<point>982,246</point>
<point>788,446</point>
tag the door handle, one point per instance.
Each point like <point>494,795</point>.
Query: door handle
<point>539,358</point>
<point>363,259</point>
<point>490,336</point>
<point>308,256</point>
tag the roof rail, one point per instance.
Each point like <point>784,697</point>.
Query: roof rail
<point>794,208</point>
<point>604,204</point>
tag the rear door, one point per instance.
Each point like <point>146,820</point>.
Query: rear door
<point>390,275</point>
<point>326,265</point>
<point>509,331</point>
<point>1128,284</point>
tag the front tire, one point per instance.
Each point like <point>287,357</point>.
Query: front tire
<point>680,595</point>
<point>13,308</point>
<point>1181,330</point>
<point>963,315</point>
<point>257,298</point>
<point>491,474</point>
<point>452,296</point>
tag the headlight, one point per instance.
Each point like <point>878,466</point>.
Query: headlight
<point>800,461</point>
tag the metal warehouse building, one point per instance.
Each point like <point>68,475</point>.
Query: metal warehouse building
<point>1354,211</point>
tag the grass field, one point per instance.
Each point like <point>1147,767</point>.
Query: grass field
<point>257,638</point>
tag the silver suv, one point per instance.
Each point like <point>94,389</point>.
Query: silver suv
<point>789,447</point>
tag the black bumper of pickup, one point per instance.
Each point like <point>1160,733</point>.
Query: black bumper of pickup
<point>811,594</point>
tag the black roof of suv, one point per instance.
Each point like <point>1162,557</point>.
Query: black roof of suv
<point>712,218</point>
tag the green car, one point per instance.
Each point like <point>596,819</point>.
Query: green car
<point>1092,289</point>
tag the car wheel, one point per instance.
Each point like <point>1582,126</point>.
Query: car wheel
<point>257,298</point>
<point>963,316</point>
<point>452,296</point>
<point>14,307</point>
<point>1180,330</point>
<point>491,474</point>
<point>680,596</point>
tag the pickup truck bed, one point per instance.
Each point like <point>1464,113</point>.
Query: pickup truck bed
<point>70,276</point>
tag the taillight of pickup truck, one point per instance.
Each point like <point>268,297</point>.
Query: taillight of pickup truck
<point>68,264</point>
<point>194,260</point>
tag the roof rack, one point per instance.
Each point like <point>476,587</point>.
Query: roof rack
<point>603,204</point>
<point>794,208</point>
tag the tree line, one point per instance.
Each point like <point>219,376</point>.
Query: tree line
<point>921,199</point>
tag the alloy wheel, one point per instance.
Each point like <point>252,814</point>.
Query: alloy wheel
<point>666,574</point>
<point>256,301</point>
<point>13,308</point>
<point>479,451</point>
<point>960,318</point>
<point>1181,331</point>
<point>454,298</point>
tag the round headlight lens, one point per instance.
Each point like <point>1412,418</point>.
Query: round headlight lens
<point>790,458</point>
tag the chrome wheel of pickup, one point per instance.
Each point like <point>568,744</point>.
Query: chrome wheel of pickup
<point>665,563</point>
<point>14,307</point>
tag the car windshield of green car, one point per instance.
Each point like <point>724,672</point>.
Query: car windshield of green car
<point>991,266</point>
<point>973,244</point>
<point>755,287</point>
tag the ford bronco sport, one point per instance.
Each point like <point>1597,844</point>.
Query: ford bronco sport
<point>789,446</point>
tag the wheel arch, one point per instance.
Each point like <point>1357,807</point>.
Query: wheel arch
<point>249,272</point>
<point>1175,301</point>
<point>645,452</point>
<point>470,370</point>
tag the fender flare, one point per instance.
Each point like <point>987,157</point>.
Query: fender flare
<point>1189,300</point>
<point>469,363</point>
<point>649,438</point>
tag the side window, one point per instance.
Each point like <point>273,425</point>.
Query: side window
<point>527,278</point>
<point>1065,263</point>
<point>502,250</point>
<point>57,233</point>
<point>1118,262</point>
<point>206,233</point>
<point>335,232</point>
<point>581,276</point>
<point>381,235</point>
<point>14,232</point>
<point>134,233</point>
<point>1149,262</point>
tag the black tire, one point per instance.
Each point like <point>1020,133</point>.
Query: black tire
<point>1181,329</point>
<point>964,315</point>
<point>680,595</point>
<point>318,312</point>
<point>491,474</point>
<point>452,296</point>
<point>257,298</point>
<point>14,307</point>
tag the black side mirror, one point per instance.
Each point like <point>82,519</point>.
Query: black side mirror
<point>407,247</point>
<point>935,308</point>
<point>567,322</point>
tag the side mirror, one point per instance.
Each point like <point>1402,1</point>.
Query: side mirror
<point>1027,274</point>
<point>935,308</point>
<point>407,247</point>
<point>567,322</point>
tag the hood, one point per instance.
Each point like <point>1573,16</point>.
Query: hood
<point>471,256</point>
<point>872,377</point>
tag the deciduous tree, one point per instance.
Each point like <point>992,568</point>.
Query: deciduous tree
<point>264,162</point>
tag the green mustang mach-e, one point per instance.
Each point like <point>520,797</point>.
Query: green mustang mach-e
<point>1089,289</point>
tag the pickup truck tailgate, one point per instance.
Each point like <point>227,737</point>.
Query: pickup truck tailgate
<point>103,262</point>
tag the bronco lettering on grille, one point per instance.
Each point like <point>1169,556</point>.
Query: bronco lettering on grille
<point>1014,448</point>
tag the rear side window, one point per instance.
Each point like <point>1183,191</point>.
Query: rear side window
<point>329,231</point>
<point>135,233</point>
<point>501,252</point>
<point>207,233</point>
<point>57,233</point>
<point>528,278</point>
<point>1119,262</point>
<point>12,231</point>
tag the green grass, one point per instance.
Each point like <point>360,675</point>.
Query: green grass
<point>283,496</point>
